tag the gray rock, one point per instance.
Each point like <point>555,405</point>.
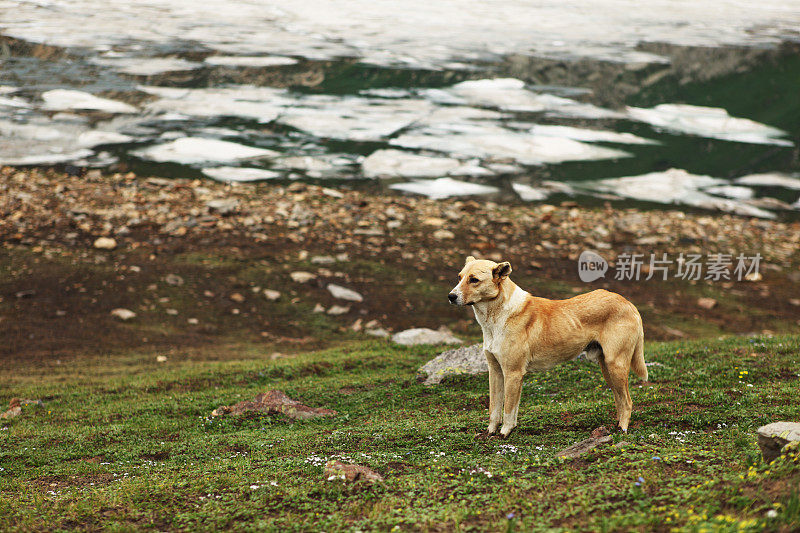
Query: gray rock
<point>415,336</point>
<point>774,438</point>
<point>105,243</point>
<point>461,361</point>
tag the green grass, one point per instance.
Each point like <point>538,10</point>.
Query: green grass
<point>126,443</point>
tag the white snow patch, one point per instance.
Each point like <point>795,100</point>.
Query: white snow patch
<point>528,193</point>
<point>711,122</point>
<point>146,66</point>
<point>443,188</point>
<point>239,174</point>
<point>771,179</point>
<point>189,150</point>
<point>60,99</point>
<point>250,61</point>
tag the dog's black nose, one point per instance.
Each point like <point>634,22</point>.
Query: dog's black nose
<point>452,297</point>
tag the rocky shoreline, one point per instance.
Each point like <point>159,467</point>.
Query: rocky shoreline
<point>400,252</point>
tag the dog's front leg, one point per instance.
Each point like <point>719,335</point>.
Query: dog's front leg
<point>495,393</point>
<point>513,391</point>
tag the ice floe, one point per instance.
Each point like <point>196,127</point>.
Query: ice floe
<point>587,135</point>
<point>190,150</point>
<point>46,141</point>
<point>510,94</point>
<point>444,188</point>
<point>60,99</point>
<point>770,179</point>
<point>146,66</point>
<point>14,101</point>
<point>400,164</point>
<point>260,103</point>
<point>674,186</point>
<point>236,174</point>
<point>249,61</point>
<point>528,193</point>
<point>489,141</point>
<point>353,118</point>
<point>93,138</point>
<point>711,122</point>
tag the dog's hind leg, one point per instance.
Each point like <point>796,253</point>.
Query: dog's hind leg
<point>496,393</point>
<point>616,374</point>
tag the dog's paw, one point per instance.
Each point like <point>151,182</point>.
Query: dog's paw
<point>505,433</point>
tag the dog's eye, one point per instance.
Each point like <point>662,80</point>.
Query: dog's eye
<point>474,280</point>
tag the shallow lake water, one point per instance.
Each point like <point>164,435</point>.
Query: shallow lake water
<point>513,102</point>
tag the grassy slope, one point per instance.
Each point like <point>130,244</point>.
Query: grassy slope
<point>125,442</point>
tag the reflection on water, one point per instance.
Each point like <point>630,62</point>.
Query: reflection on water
<point>713,128</point>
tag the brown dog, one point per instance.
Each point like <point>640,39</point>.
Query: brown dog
<point>521,331</point>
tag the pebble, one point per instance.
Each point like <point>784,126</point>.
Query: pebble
<point>302,277</point>
<point>271,295</point>
<point>123,314</point>
<point>343,293</point>
<point>105,243</point>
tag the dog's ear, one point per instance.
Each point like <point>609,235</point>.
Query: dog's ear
<point>470,259</point>
<point>502,270</point>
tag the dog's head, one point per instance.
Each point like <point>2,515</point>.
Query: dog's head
<point>479,280</point>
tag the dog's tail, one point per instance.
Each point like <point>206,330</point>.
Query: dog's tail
<point>637,363</point>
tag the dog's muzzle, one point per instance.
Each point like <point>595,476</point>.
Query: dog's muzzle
<point>453,297</point>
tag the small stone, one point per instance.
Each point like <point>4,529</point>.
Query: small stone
<point>707,303</point>
<point>29,293</point>
<point>343,293</point>
<point>172,312</point>
<point>123,314</point>
<point>338,310</point>
<point>223,206</point>
<point>443,234</point>
<point>237,297</point>
<point>350,472</point>
<point>773,438</point>
<point>105,243</point>
<point>319,308</point>
<point>161,358</point>
<point>754,276</point>
<point>271,295</point>
<point>794,301</point>
<point>192,321</point>
<point>377,332</point>
<point>302,277</point>
<point>323,260</point>
<point>174,280</point>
